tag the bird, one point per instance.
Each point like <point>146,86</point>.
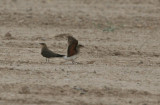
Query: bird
<point>45,52</point>
<point>73,49</point>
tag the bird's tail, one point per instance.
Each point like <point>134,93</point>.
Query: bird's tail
<point>59,55</point>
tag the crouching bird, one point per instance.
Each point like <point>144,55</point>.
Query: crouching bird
<point>45,52</point>
<point>73,49</point>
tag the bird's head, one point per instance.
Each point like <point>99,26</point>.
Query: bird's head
<point>80,46</point>
<point>43,45</point>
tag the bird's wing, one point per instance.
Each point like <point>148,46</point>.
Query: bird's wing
<point>48,53</point>
<point>72,48</point>
<point>71,39</point>
<point>52,54</point>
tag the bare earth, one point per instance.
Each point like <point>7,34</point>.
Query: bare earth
<point>120,64</point>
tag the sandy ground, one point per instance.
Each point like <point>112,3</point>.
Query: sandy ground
<point>119,65</point>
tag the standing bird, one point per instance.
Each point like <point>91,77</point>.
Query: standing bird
<point>73,49</point>
<point>45,52</point>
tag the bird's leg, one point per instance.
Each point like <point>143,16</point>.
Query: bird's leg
<point>46,60</point>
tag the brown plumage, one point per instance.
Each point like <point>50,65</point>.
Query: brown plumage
<point>45,52</point>
<point>73,48</point>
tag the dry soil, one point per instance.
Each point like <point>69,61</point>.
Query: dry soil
<point>119,65</point>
